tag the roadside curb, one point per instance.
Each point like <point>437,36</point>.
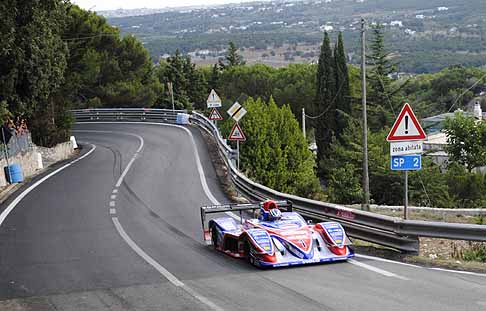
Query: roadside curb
<point>8,191</point>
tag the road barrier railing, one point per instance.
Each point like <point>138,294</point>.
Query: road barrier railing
<point>384,230</point>
<point>126,114</point>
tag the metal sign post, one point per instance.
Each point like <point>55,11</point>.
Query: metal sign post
<point>405,197</point>
<point>238,155</point>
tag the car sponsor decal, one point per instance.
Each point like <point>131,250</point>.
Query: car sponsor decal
<point>262,239</point>
<point>335,231</point>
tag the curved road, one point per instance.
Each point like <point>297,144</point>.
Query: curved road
<point>119,230</point>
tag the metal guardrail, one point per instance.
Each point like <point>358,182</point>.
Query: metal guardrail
<point>127,114</point>
<point>385,230</point>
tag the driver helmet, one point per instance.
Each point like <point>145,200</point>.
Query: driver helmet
<point>265,209</point>
<point>275,214</point>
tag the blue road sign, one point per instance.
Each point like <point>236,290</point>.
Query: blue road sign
<point>406,163</point>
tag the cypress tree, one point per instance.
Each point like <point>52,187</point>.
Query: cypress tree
<point>380,94</point>
<point>343,99</point>
<point>324,105</point>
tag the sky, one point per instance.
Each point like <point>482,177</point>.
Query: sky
<point>97,5</point>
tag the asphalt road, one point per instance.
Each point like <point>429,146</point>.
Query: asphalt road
<point>80,242</point>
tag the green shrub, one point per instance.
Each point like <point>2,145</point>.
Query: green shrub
<point>477,252</point>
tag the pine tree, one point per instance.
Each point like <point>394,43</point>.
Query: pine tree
<point>343,99</point>
<point>325,105</point>
<point>232,57</point>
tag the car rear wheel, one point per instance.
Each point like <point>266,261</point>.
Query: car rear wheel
<point>214,236</point>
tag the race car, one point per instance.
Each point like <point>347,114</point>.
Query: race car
<point>274,238</point>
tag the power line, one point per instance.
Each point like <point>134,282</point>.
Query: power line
<point>462,94</point>
<point>92,36</point>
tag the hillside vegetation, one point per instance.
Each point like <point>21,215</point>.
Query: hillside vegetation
<point>424,36</point>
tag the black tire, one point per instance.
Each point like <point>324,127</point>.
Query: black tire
<point>214,236</point>
<point>248,257</point>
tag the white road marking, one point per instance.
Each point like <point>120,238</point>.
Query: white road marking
<point>140,147</point>
<point>112,203</point>
<point>112,211</point>
<point>459,272</point>
<point>169,276</point>
<point>387,260</point>
<point>120,180</point>
<point>115,190</point>
<point>16,201</point>
<point>113,196</point>
<point>419,267</point>
<point>377,270</point>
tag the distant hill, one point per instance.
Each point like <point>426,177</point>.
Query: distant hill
<point>425,36</point>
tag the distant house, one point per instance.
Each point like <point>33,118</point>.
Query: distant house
<point>442,8</point>
<point>326,28</point>
<point>396,23</point>
<point>419,16</point>
<point>410,32</point>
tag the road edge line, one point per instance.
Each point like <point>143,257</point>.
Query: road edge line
<point>19,198</point>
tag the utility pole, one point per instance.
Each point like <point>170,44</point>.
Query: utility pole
<point>171,92</point>
<point>366,181</point>
<point>303,122</point>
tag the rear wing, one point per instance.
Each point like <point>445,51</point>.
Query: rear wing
<point>238,208</point>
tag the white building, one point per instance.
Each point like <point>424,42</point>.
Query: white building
<point>396,23</point>
<point>326,28</point>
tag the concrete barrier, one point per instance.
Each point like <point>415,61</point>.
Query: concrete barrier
<point>39,157</point>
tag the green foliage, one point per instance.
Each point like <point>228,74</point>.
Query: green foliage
<point>4,112</point>
<point>189,84</point>
<point>466,140</point>
<point>232,57</point>
<point>102,66</point>
<point>428,186</point>
<point>345,185</point>
<point>275,153</point>
<point>433,94</point>
<point>325,105</point>
<point>343,96</point>
<point>381,99</point>
<point>476,252</point>
<point>33,59</point>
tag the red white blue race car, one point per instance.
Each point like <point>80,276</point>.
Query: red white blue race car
<point>274,238</point>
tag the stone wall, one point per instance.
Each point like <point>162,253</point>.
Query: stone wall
<point>30,160</point>
<point>57,153</point>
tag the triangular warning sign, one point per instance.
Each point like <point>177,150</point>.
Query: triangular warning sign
<point>215,115</point>
<point>237,133</point>
<point>406,127</point>
<point>213,100</point>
